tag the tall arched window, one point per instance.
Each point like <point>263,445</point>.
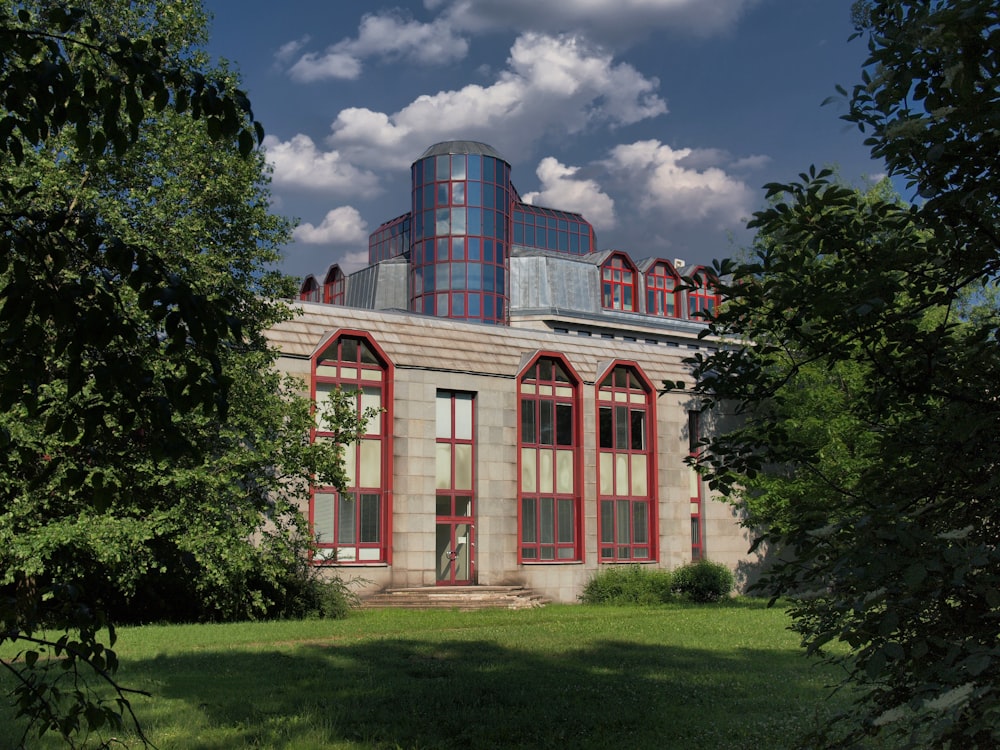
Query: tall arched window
<point>626,466</point>
<point>662,297</point>
<point>618,283</point>
<point>549,490</point>
<point>353,527</point>
<point>703,299</point>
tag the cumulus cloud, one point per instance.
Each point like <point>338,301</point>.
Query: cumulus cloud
<point>550,84</point>
<point>562,188</point>
<point>663,179</point>
<point>299,163</point>
<point>386,36</point>
<point>340,226</point>
<point>611,22</point>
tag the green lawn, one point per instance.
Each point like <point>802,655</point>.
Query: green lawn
<point>677,676</point>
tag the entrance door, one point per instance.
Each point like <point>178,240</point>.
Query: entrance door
<point>455,546</point>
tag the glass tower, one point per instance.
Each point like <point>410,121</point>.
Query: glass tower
<point>462,201</point>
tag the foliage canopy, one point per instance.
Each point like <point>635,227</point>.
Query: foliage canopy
<point>149,452</point>
<point>868,386</point>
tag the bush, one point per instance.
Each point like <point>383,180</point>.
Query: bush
<point>632,584</point>
<point>704,581</point>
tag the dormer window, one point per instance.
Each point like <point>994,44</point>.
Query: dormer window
<point>309,291</point>
<point>662,297</point>
<point>703,299</point>
<point>618,284</point>
<point>333,286</point>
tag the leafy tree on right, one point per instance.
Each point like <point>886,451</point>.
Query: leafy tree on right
<point>864,363</point>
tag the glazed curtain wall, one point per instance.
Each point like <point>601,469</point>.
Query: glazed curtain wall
<point>461,211</point>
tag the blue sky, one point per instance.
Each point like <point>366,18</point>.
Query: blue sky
<point>658,120</point>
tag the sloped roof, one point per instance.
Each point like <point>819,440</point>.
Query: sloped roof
<point>424,342</point>
<point>461,147</point>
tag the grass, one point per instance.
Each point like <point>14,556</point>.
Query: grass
<point>679,675</point>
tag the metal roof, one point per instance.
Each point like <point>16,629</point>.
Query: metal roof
<point>462,147</point>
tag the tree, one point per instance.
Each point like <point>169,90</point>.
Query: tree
<point>144,434</point>
<point>860,306</point>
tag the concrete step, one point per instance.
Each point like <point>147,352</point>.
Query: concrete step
<point>456,597</point>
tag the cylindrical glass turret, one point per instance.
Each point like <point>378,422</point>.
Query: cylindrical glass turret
<point>461,214</point>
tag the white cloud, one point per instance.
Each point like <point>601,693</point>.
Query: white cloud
<point>662,179</point>
<point>561,188</point>
<point>313,67</point>
<point>551,84</point>
<point>298,163</point>
<point>387,36</point>
<point>754,161</point>
<point>612,22</point>
<point>340,226</point>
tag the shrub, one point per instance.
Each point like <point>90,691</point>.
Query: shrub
<point>632,584</point>
<point>704,581</point>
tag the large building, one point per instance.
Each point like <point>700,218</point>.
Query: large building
<point>522,437</point>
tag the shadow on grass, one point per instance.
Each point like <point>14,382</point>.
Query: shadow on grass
<point>400,693</point>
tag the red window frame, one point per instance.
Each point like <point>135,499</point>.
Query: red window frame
<point>333,286</point>
<point>697,505</point>
<point>618,290</point>
<point>627,515</point>
<point>662,297</point>
<point>351,360</point>
<point>549,517</point>
<point>703,299</point>
<point>309,291</point>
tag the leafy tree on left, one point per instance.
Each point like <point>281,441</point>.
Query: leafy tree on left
<point>144,437</point>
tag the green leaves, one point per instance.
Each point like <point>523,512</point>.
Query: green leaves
<point>863,359</point>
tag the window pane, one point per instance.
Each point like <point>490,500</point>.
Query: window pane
<point>624,535</point>
<point>621,474</point>
<point>443,414</point>
<point>621,427</point>
<point>545,471</point>
<point>463,416</point>
<point>638,425</point>
<point>565,521</point>
<point>528,509</point>
<point>640,522</point>
<point>370,474</point>
<point>369,518</point>
<point>463,467</point>
<point>547,520</point>
<point>564,424</point>
<point>443,464</point>
<point>564,471</point>
<point>443,505</point>
<point>607,521</point>
<point>529,480</point>
<point>345,519</point>
<point>639,483</point>
<point>323,504</point>
<point>607,473</point>
<point>606,427</point>
<point>545,423</point>
<point>371,398</point>
<point>528,434</point>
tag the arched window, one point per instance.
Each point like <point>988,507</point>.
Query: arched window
<point>626,466</point>
<point>662,297</point>
<point>309,291</point>
<point>333,286</point>
<point>353,527</point>
<point>618,283</point>
<point>703,299</point>
<point>549,491</point>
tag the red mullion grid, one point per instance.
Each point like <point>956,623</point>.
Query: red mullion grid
<point>577,431</point>
<point>652,499</point>
<point>386,370</point>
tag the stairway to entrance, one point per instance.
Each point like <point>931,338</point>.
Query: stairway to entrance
<point>456,597</point>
